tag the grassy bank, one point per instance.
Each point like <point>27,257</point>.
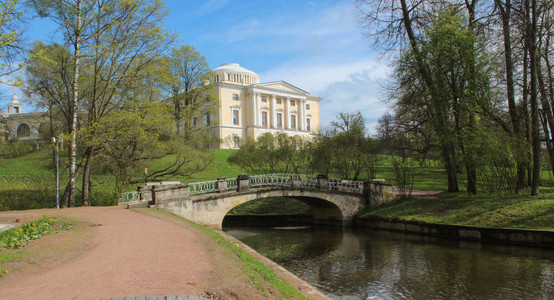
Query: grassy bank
<point>260,274</point>
<point>506,211</point>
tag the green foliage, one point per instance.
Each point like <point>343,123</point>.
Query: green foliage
<point>10,39</point>
<point>125,136</point>
<point>272,206</point>
<point>346,151</point>
<point>271,154</point>
<point>20,236</point>
<point>16,148</point>
<point>183,75</point>
<point>105,194</point>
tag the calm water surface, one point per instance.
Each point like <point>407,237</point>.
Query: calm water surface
<point>352,264</point>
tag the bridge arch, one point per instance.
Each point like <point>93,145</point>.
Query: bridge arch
<point>322,211</point>
<point>328,207</point>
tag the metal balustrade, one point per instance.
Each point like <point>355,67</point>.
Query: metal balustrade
<point>205,187</point>
<point>134,196</point>
<point>345,185</point>
<point>232,183</point>
<point>268,180</point>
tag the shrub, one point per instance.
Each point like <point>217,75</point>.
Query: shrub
<point>105,195</point>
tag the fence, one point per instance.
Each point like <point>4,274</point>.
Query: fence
<point>268,180</point>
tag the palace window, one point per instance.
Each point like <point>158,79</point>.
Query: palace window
<point>279,120</point>
<point>264,99</point>
<point>307,107</point>
<point>292,103</point>
<point>236,142</point>
<point>235,117</point>
<point>236,97</point>
<point>293,121</point>
<point>278,100</point>
<point>308,124</point>
<point>23,130</point>
<point>207,119</point>
<point>264,119</point>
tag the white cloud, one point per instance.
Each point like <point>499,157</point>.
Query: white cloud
<point>211,6</point>
<point>349,87</point>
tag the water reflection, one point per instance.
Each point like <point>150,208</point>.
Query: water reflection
<point>366,264</point>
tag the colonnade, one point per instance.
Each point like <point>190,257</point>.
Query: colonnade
<point>255,109</point>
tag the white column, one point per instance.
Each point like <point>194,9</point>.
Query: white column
<point>287,113</point>
<point>254,109</point>
<point>248,109</point>
<point>273,115</point>
<point>258,113</point>
<point>303,114</point>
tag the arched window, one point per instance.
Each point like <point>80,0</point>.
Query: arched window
<point>23,130</point>
<point>236,142</point>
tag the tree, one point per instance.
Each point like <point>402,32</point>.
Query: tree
<point>10,38</point>
<point>119,41</point>
<point>442,59</point>
<point>68,15</point>
<point>124,41</point>
<point>184,76</point>
<point>142,126</point>
<point>272,153</point>
<point>345,150</point>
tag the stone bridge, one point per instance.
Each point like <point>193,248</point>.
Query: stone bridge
<point>333,201</point>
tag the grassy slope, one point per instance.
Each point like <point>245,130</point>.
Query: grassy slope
<point>19,189</point>
<point>516,211</point>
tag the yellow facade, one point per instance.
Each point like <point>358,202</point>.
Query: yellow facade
<point>248,108</point>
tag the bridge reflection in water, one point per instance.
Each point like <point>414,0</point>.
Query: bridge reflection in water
<point>365,264</point>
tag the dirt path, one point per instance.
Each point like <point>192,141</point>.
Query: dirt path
<point>116,252</point>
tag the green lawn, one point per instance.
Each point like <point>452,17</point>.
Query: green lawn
<point>498,211</point>
<point>28,182</point>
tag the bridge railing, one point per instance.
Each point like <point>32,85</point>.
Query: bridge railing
<point>134,196</point>
<point>268,180</point>
<point>349,185</point>
<point>212,186</point>
<point>204,187</point>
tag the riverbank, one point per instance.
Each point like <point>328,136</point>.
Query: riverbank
<point>116,252</point>
<point>514,219</point>
<point>490,211</point>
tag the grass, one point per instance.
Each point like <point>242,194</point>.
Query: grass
<point>497,211</point>
<point>272,206</point>
<point>253,268</point>
<point>27,182</point>
<point>20,236</point>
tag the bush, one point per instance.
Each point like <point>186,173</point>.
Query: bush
<point>105,195</point>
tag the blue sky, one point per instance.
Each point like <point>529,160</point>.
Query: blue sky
<point>314,45</point>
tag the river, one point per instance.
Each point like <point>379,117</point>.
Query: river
<point>369,264</point>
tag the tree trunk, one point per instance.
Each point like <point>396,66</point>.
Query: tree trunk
<point>73,133</point>
<point>448,147</point>
<point>535,133</point>
<point>86,177</point>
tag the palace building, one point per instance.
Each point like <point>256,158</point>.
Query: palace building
<point>245,109</point>
<point>16,124</point>
<point>248,108</point>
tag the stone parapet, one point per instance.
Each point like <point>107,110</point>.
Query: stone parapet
<point>243,182</point>
<point>378,191</point>
<point>169,192</point>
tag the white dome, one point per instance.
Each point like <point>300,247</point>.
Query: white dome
<point>15,99</point>
<point>233,67</point>
<point>233,72</point>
